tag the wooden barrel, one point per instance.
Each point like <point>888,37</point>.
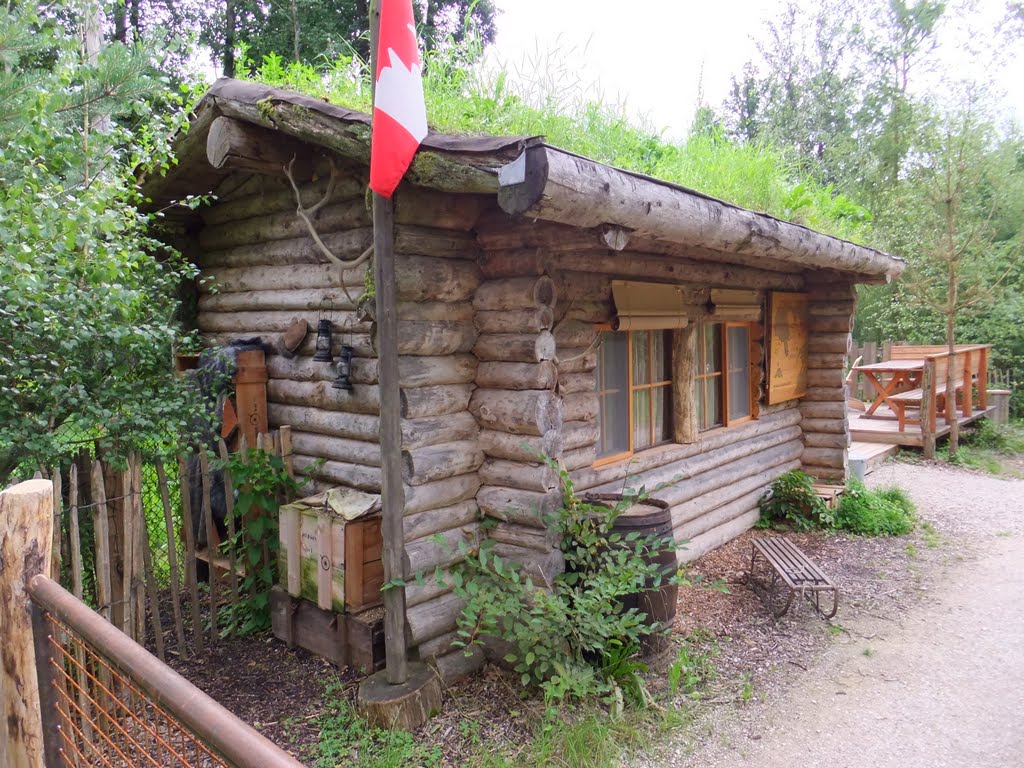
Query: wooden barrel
<point>650,517</point>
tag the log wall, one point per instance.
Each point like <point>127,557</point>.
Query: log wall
<point>832,306</point>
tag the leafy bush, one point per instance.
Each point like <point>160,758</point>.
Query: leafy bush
<point>885,512</point>
<point>573,638</point>
<point>791,501</point>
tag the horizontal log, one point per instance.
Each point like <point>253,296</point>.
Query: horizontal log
<point>234,145</point>
<point>559,187</point>
<point>576,383</point>
<point>347,214</point>
<point>340,473</point>
<point>834,409</point>
<point>826,439</point>
<point>515,348</point>
<point>826,360</point>
<point>515,293</point>
<point>434,430</point>
<point>590,478</point>
<point>513,262</point>
<point>432,521</point>
<point>687,498</point>
<point>826,289</point>
<point>429,337</point>
<point>413,371</point>
<point>439,646</point>
<point>435,241</point>
<point>427,588</point>
<point>417,206</point>
<point>719,516</point>
<point>582,287</point>
<point>439,550</point>
<point>836,343</point>
<point>825,394</point>
<point>518,474</point>
<point>785,405</point>
<point>824,426</point>
<point>363,399</point>
<point>576,361</point>
<point>830,323</point>
<point>833,458</point>
<point>323,422</point>
<point>817,308</point>
<point>438,462</point>
<point>276,196</point>
<point>271,322</point>
<point>827,474</point>
<point>527,537</point>
<point>716,537</point>
<point>498,375</point>
<point>305,300</point>
<point>346,245</point>
<point>574,333</point>
<point>515,320</point>
<point>418,278</point>
<point>579,458</point>
<point>514,505</point>
<point>697,511</point>
<point>526,448</point>
<point>589,311</point>
<point>825,377</point>
<point>439,311</point>
<point>336,448</point>
<point>435,401</point>
<point>432,618</point>
<point>458,665</point>
<point>540,567</point>
<point>580,407</point>
<point>519,412</point>
<point>579,434</point>
<point>442,493</point>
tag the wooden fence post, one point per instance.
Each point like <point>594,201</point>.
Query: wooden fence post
<point>927,416</point>
<point>26,531</point>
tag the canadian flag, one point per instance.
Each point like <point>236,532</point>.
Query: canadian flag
<point>399,113</point>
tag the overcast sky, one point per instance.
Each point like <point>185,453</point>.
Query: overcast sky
<point>658,55</point>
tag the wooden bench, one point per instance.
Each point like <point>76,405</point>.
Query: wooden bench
<point>913,398</point>
<point>789,572</point>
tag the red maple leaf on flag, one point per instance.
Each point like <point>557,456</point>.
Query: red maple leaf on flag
<point>399,112</point>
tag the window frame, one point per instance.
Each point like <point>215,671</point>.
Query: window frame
<point>723,374</point>
<point>632,387</point>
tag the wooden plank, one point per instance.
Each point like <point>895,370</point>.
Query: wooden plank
<point>229,503</point>
<point>212,541</point>
<point>172,557</point>
<point>354,565</point>
<point>191,579</point>
<point>75,534</point>
<point>325,562</point>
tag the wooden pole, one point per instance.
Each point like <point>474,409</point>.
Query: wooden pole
<point>392,490</point>
<point>26,528</point>
<point>172,558</point>
<point>211,541</point>
<point>101,533</point>
<point>192,583</point>
<point>74,532</point>
<point>229,501</point>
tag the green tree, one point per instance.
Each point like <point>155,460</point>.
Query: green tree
<point>86,306</point>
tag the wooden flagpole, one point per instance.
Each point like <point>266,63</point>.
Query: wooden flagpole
<point>392,490</point>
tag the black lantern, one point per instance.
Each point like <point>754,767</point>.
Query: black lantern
<point>344,361</point>
<point>323,342</point>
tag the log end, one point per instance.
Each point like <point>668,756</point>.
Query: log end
<point>406,705</point>
<point>523,180</point>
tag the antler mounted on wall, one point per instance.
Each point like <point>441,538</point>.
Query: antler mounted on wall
<point>307,214</point>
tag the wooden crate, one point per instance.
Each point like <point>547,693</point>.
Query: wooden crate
<point>333,562</point>
<point>366,640</point>
<point>829,494</point>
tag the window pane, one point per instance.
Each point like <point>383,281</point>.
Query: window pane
<point>713,404</point>
<point>613,387</point>
<point>739,371</point>
<point>641,357</point>
<point>641,419</point>
<point>660,350</point>
<point>712,348</point>
<point>662,404</point>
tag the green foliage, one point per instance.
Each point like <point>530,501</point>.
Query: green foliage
<point>346,740</point>
<point>885,512</point>
<point>792,501</point>
<point>87,307</point>
<point>262,483</point>
<point>464,97</point>
<point>573,637</point>
<point>694,665</point>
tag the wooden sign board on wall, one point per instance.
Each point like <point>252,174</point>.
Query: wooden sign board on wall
<point>787,349</point>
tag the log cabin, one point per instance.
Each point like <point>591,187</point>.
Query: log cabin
<point>640,332</point>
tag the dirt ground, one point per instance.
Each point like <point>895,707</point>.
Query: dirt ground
<point>916,633</point>
<point>931,673</point>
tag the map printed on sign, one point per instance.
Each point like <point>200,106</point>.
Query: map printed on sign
<point>787,351</point>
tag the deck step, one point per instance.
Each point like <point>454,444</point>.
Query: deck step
<point>872,454</point>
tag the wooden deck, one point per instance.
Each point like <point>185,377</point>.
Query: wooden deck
<point>882,427</point>
<point>872,454</point>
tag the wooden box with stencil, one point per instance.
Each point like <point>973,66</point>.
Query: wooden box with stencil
<point>330,550</point>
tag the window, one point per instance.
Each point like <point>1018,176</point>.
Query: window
<point>723,375</point>
<point>634,387</point>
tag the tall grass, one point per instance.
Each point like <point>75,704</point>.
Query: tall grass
<point>545,97</point>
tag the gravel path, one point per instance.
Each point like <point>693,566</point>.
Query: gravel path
<point>941,684</point>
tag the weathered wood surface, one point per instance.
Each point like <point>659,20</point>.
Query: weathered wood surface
<point>515,347</point>
<point>431,521</point>
<point>515,505</point>
<point>438,462</point>
<point>528,537</point>
<point>428,337</point>
<point>341,473</point>
<point>515,320</point>
<point>434,401</point>
<point>568,189</point>
<point>499,375</point>
<point>684,401</point>
<point>580,407</point>
<point>413,370</point>
<point>26,531</point>
<point>235,145</point>
<point>521,412</point>
<point>515,293</point>
<point>528,448</point>
<point>441,493</point>
<point>518,474</point>
<point>346,214</point>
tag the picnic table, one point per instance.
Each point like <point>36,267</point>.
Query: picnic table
<point>889,378</point>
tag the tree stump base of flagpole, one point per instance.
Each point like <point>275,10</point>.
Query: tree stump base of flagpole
<point>407,705</point>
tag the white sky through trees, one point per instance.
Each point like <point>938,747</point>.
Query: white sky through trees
<point>658,56</point>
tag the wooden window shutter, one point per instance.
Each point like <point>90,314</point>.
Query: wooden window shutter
<point>647,306</point>
<point>787,347</point>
